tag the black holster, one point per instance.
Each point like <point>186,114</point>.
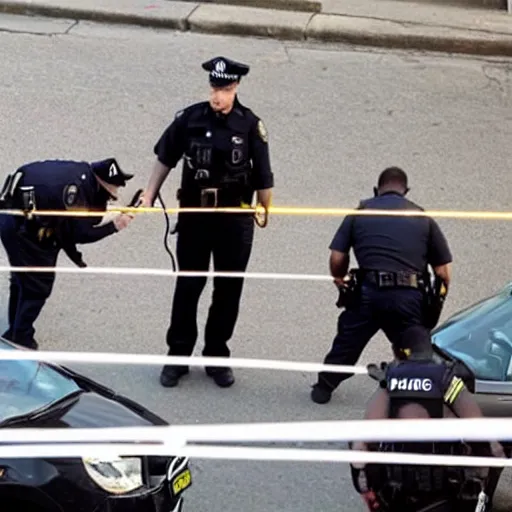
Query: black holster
<point>349,294</point>
<point>9,188</point>
<point>435,296</point>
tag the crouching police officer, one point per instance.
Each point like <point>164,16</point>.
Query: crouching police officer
<point>35,241</point>
<point>391,289</point>
<point>226,159</point>
<point>417,386</point>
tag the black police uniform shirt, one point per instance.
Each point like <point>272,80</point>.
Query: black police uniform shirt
<point>62,184</point>
<point>392,243</point>
<point>237,137</point>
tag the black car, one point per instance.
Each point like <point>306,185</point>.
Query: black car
<point>41,395</point>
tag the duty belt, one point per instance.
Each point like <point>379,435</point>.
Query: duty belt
<point>393,279</point>
<point>211,197</point>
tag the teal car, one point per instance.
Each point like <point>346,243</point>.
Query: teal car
<point>480,337</point>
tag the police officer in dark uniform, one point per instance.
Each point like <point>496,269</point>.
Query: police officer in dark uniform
<point>226,159</point>
<point>393,254</point>
<point>416,385</point>
<point>36,240</point>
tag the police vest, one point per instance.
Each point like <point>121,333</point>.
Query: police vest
<point>422,383</point>
<point>419,382</point>
<point>206,163</point>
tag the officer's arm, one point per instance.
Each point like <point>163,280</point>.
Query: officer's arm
<point>168,150</point>
<point>439,254</point>
<point>340,249</point>
<point>378,406</point>
<point>263,180</point>
<point>377,409</point>
<point>81,230</point>
<point>156,179</point>
<point>86,231</point>
<point>464,405</point>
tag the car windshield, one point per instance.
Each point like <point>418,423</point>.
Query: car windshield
<point>481,337</point>
<point>27,386</point>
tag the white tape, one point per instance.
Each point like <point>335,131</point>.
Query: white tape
<point>83,449</point>
<point>305,455</point>
<point>145,359</point>
<point>242,453</point>
<point>163,272</point>
<point>320,431</point>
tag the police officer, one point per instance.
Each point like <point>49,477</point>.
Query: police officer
<point>34,240</point>
<point>226,159</point>
<point>393,254</point>
<point>416,385</point>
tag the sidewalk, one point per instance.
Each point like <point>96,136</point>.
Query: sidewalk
<point>384,23</point>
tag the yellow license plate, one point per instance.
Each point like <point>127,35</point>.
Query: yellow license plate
<point>181,482</point>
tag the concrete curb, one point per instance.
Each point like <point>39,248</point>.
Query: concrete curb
<point>133,16</point>
<point>280,5</point>
<point>391,34</point>
<point>285,25</point>
<point>249,21</point>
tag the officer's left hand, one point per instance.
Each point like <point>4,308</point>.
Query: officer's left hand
<point>122,221</point>
<point>260,217</point>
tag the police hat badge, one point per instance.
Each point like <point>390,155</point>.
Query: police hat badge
<point>224,71</point>
<point>110,172</point>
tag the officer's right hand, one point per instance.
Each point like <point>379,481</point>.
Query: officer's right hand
<point>341,282</point>
<point>122,221</point>
<point>145,201</point>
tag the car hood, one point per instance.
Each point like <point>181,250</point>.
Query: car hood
<point>93,410</point>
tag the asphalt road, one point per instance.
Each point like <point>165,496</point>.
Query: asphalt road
<point>336,117</point>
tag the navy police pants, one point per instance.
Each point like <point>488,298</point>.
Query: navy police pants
<point>229,238</point>
<point>28,291</point>
<point>392,310</point>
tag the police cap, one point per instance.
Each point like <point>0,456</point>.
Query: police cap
<point>224,71</point>
<point>415,343</point>
<point>109,171</point>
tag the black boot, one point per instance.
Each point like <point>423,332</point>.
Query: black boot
<point>171,375</point>
<point>223,377</point>
<point>321,394</point>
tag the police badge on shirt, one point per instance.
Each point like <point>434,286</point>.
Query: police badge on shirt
<point>70,195</point>
<point>237,151</point>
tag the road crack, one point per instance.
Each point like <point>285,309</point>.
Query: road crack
<point>37,33</point>
<point>492,79</point>
<point>71,27</point>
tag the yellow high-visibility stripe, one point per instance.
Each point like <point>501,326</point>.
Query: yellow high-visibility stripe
<point>456,386</point>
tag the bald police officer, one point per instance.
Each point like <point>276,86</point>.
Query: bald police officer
<point>35,241</point>
<point>421,385</point>
<point>226,159</point>
<point>393,254</point>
